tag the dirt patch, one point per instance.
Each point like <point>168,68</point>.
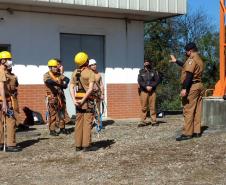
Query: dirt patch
<point>125,155</point>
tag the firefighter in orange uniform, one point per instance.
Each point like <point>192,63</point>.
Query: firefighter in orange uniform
<point>81,87</point>
<point>13,88</point>
<point>192,92</point>
<point>7,116</point>
<point>55,84</point>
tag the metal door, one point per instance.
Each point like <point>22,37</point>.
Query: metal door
<point>70,44</point>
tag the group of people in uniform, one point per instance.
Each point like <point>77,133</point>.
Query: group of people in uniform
<point>191,94</point>
<point>87,91</point>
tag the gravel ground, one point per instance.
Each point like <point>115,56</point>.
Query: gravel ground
<point>125,155</point>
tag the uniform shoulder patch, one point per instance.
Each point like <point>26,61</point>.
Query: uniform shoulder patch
<point>190,61</point>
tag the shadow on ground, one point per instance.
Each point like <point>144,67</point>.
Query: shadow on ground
<point>27,143</point>
<point>108,122</point>
<point>103,144</point>
<point>204,128</point>
<point>23,129</point>
<point>71,129</point>
<point>161,122</point>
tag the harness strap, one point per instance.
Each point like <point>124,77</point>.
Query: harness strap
<point>8,99</point>
<point>53,77</point>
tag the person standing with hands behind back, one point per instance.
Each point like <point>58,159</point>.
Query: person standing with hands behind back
<point>81,87</point>
<point>192,92</point>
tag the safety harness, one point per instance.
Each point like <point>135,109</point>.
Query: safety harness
<point>57,101</point>
<point>80,90</point>
<point>80,93</point>
<point>11,94</point>
<point>97,93</point>
<point>59,98</point>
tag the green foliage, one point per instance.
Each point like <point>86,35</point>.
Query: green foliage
<point>163,38</point>
<point>171,104</point>
<point>208,45</point>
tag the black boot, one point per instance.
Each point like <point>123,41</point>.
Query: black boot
<point>183,137</point>
<point>53,133</point>
<point>22,127</point>
<point>196,135</point>
<point>64,131</point>
<point>155,124</point>
<point>13,149</point>
<point>143,124</point>
<point>78,148</point>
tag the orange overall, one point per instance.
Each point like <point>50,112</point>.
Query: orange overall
<point>55,103</point>
<point>10,121</point>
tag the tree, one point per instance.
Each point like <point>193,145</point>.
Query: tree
<point>209,50</point>
<point>170,36</point>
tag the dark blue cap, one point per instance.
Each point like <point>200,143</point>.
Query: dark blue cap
<point>191,46</point>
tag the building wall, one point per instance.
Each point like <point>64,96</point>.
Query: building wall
<point>122,92</point>
<point>123,101</point>
<point>35,38</point>
<point>33,97</point>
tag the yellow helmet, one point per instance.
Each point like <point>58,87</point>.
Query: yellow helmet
<point>52,63</point>
<point>5,55</point>
<point>81,58</point>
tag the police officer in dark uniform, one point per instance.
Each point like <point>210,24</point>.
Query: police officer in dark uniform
<point>148,80</point>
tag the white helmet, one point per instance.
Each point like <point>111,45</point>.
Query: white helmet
<point>92,61</point>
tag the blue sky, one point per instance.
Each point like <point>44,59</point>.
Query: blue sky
<point>211,7</point>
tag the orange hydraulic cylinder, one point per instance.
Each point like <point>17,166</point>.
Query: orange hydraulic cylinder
<point>220,86</point>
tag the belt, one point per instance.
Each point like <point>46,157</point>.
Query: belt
<point>195,82</point>
<point>78,110</point>
<point>80,95</point>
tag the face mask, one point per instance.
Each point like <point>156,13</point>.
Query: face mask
<point>9,64</point>
<point>187,54</point>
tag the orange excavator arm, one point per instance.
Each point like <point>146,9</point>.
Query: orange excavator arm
<point>220,87</point>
